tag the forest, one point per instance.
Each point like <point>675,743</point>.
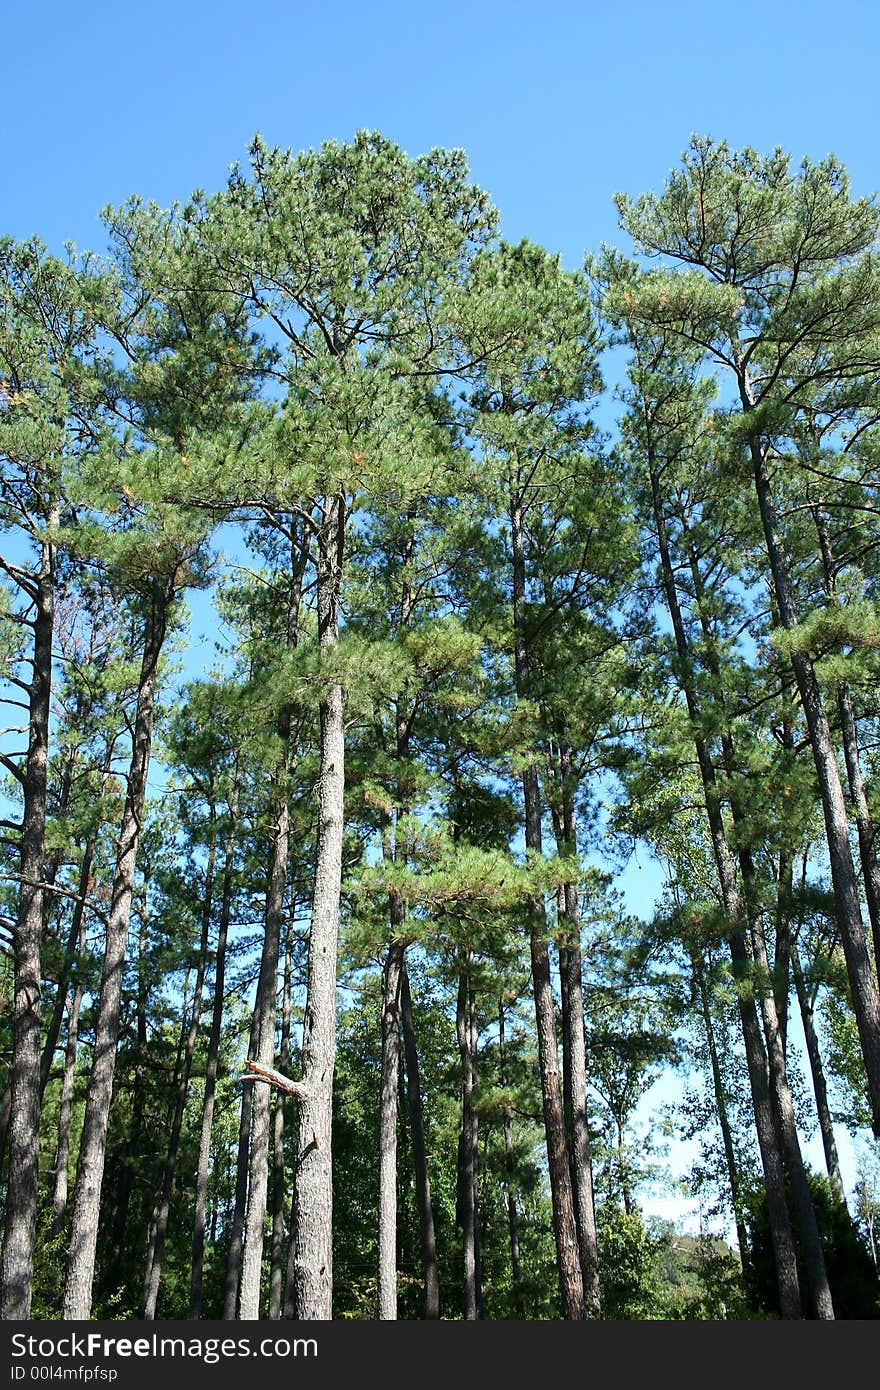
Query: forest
<point>374,589</point>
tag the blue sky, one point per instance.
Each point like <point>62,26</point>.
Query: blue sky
<point>558,105</point>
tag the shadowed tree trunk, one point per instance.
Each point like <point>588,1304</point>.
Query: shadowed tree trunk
<point>276,1268</point>
<point>861,811</point>
<point>574,1056</point>
<point>392,979</point>
<point>756,1058</point>
<point>512,1214</point>
<point>236,1227</point>
<point>61,1000</point>
<point>118,1259</point>
<point>802,1197</point>
<point>817,1072</point>
<point>17,1260</point>
<point>862,982</point>
<point>62,1148</point>
<point>388,1088</point>
<point>468,1190</point>
<point>263,1051</point>
<point>420,1153</point>
<point>564,1223</point>
<point>575,1097</point>
<point>850,739</point>
<point>289,1308</point>
<point>51,861</point>
<point>53,1031</point>
<point>723,1118</point>
<point>262,1047</point>
<point>90,1169</point>
<point>782,945</point>
<point>213,1058</point>
<point>772,987</point>
<point>85,878</point>
<point>161,1212</point>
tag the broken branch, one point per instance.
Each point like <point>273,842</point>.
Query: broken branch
<point>257,1072</point>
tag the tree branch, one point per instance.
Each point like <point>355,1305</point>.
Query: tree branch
<point>257,1072</point>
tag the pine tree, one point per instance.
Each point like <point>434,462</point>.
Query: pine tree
<point>347,250</point>
<point>170,395</point>
<point>773,278</point>
<point>49,338</point>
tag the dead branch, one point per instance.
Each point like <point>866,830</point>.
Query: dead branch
<point>257,1072</point>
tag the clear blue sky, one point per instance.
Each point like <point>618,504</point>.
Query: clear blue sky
<point>557,104</point>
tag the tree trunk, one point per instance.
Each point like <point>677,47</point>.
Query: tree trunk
<point>512,1214</point>
<point>782,945</point>
<point>276,1267</point>
<point>388,1085</point>
<point>756,1057</point>
<point>861,810</point>
<point>623,1171</point>
<point>262,1046</point>
<point>17,1260</point>
<point>849,735</point>
<point>468,1193</point>
<point>263,1051</point>
<point>62,1150</point>
<point>119,1262</point>
<point>61,1000</point>
<point>236,1229</point>
<point>212,1061</point>
<point>811,1244</point>
<point>574,1057</point>
<point>90,1169</point>
<point>159,1224</point>
<point>289,1309</point>
<point>313,1208</point>
<point>773,989</point>
<point>863,986</point>
<point>564,1224</point>
<point>54,1030</point>
<point>575,1089</point>
<point>420,1153</point>
<point>817,1072</point>
<point>787,1281</point>
<point>395,965</point>
<point>723,1118</point>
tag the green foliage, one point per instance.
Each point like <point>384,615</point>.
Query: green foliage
<point>852,1275</point>
<point>339,342</point>
<point>627,1263</point>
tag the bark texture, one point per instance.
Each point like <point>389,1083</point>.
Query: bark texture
<point>162,1210</point>
<point>213,1059</point>
<point>313,1201</point>
<point>862,982</point>
<point>788,1284</point>
<point>263,1051</point>
<point>817,1073</point>
<point>17,1260</point>
<point>276,1268</point>
<point>388,1088</point>
<point>468,1190</point>
<point>571,1286</point>
<point>420,1152</point>
<point>90,1169</point>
